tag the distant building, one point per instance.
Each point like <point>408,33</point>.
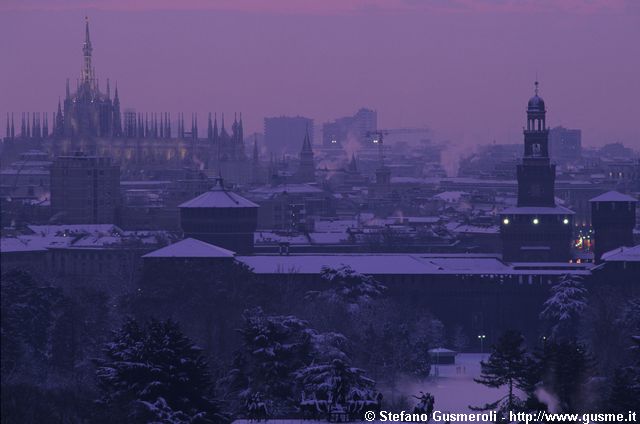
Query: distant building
<point>222,218</point>
<point>89,119</point>
<point>350,128</point>
<point>536,230</point>
<point>85,190</point>
<point>290,207</point>
<point>565,144</point>
<point>88,112</point>
<point>283,134</point>
<point>613,217</point>
<point>307,167</point>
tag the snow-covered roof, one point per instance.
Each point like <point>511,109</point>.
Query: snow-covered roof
<point>15,245</point>
<point>451,196</point>
<point>218,198</point>
<point>613,196</point>
<point>100,236</point>
<point>623,254</point>
<point>288,188</point>
<point>420,219</point>
<point>442,350</point>
<point>45,230</point>
<point>537,210</point>
<point>313,264</point>
<point>190,248</point>
<point>472,229</point>
<point>394,264</point>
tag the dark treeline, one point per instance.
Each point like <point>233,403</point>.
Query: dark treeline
<point>188,345</point>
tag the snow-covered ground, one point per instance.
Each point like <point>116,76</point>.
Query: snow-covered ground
<point>453,387</point>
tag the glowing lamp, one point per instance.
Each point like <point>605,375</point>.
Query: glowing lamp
<point>505,221</point>
<point>565,221</point>
<point>536,221</point>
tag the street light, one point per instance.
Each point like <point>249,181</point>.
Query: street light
<point>481,337</point>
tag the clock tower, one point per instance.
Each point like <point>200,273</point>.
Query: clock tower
<point>536,230</point>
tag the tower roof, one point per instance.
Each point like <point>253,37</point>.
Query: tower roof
<point>191,248</point>
<point>218,197</point>
<point>536,103</point>
<point>613,196</point>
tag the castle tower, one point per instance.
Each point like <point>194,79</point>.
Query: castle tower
<point>536,230</point>
<point>613,217</point>
<point>222,218</point>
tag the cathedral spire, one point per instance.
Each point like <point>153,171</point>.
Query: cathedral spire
<point>59,124</point>
<point>45,127</point>
<point>8,129</point>
<point>353,165</point>
<point>215,127</point>
<point>13,132</point>
<point>87,69</point>
<point>209,128</point>
<point>306,144</point>
<point>255,149</point>
<point>195,127</point>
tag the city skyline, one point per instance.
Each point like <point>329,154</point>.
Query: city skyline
<point>405,82</point>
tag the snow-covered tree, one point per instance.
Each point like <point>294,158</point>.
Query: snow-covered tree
<point>507,366</point>
<point>564,308</point>
<point>336,381</point>
<point>345,285</point>
<point>274,349</point>
<point>154,369</point>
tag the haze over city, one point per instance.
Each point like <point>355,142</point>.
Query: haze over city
<point>459,67</point>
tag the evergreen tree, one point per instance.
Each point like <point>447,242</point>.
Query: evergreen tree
<point>625,387</point>
<point>152,370</point>
<point>29,312</point>
<point>274,349</point>
<point>335,380</point>
<point>564,370</point>
<point>508,366</point>
<point>346,286</point>
<point>564,308</point>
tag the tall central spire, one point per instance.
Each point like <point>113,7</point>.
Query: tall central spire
<point>87,69</point>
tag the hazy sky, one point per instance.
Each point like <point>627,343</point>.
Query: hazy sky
<point>463,67</point>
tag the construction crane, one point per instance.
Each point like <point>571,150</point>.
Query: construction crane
<point>378,139</point>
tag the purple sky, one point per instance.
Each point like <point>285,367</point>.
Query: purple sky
<point>464,67</point>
